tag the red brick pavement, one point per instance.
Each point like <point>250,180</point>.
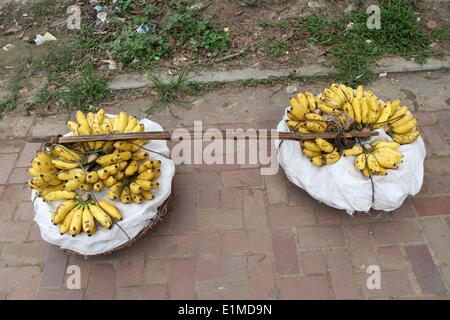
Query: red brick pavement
<point>232,233</point>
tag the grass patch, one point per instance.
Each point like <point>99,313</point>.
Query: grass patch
<point>356,48</point>
<point>172,91</point>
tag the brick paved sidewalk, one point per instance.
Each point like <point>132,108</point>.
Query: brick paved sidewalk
<point>235,234</point>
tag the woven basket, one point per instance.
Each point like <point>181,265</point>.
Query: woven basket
<point>162,211</point>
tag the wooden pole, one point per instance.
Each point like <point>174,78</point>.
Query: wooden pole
<point>224,135</point>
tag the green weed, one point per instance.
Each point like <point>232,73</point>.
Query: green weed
<point>171,91</point>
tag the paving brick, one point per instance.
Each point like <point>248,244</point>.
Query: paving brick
<point>171,246</point>
<point>406,210</point>
<point>276,188</point>
<point>254,209</point>
<point>432,205</point>
<point>11,146</point>
<point>15,231</point>
<point>60,294</point>
<point>209,268</point>
<point>393,284</point>
<point>223,219</point>
<point>7,161</point>
<point>439,165</point>
<point>222,290</point>
<point>186,182</point>
<point>425,270</point>
<point>184,211</point>
<point>261,284</point>
<point>304,288</point>
<point>231,198</point>
<point>298,196</point>
<point>436,139</point>
<point>209,186</point>
<point>27,154</point>
<point>19,254</point>
<point>24,211</point>
<point>313,262</point>
<point>209,244</point>
<point>247,242</point>
<point>55,268</point>
<point>182,282</point>
<point>328,215</point>
<point>320,236</point>
<point>8,210</point>
<point>446,273</point>
<point>241,178</point>
<point>443,117</point>
<point>102,282</point>
<point>424,119</point>
<point>85,265</point>
<point>285,217</point>
<point>154,292</point>
<point>15,127</point>
<point>391,258</point>
<point>20,282</point>
<point>341,274</point>
<point>438,235</point>
<point>131,269</point>
<point>235,267</point>
<point>285,251</point>
<point>209,199</point>
<point>435,184</point>
<point>19,175</point>
<point>157,271</point>
<point>361,245</point>
<point>395,232</point>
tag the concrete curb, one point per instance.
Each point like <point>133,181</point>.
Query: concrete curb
<point>386,65</point>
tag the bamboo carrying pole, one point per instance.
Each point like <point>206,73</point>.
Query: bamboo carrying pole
<point>224,134</point>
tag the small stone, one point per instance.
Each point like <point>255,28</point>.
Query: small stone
<point>349,9</point>
<point>291,89</point>
<point>432,24</point>
<point>314,4</point>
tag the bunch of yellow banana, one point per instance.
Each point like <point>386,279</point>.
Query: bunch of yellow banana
<point>121,166</point>
<point>376,158</point>
<point>321,152</point>
<point>100,124</point>
<point>76,215</point>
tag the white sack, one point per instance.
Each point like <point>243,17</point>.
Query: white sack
<point>342,186</point>
<point>135,216</point>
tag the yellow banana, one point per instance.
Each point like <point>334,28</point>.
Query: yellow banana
<point>360,161</point>
<point>406,137</point>
<point>405,127</point>
<point>76,223</point>
<point>324,145</point>
<point>62,210</point>
<point>364,110</point>
<point>101,216</point>
<point>65,225</point>
<point>147,194</point>
<point>354,151</point>
<point>348,109</point>
<point>356,104</point>
<point>359,92</point>
<point>384,116</point>
<point>311,145</point>
<point>88,222</point>
<point>372,163</point>
<point>125,195</point>
<point>60,195</point>
<point>110,209</point>
<point>311,154</point>
<point>317,161</point>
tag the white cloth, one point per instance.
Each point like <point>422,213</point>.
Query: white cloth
<point>135,217</point>
<point>342,186</point>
